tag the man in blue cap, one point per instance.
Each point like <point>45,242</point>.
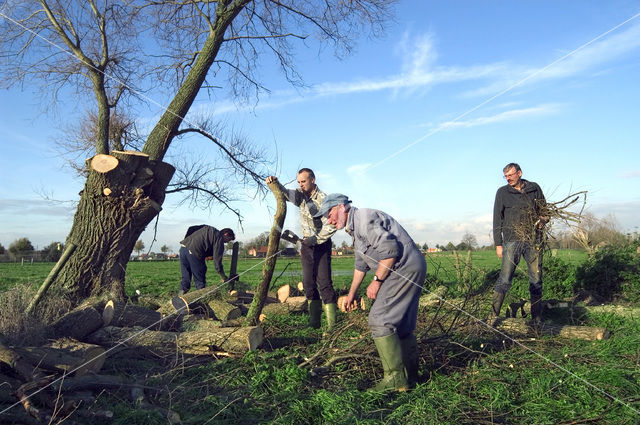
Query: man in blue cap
<point>383,245</point>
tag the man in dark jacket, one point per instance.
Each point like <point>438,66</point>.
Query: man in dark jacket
<point>517,231</point>
<point>200,242</point>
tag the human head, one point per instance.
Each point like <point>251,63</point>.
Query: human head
<point>306,180</point>
<point>335,207</point>
<point>227,234</point>
<point>512,173</point>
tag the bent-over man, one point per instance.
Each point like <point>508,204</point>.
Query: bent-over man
<point>200,242</point>
<point>383,245</point>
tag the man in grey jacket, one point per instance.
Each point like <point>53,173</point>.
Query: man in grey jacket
<point>315,253</point>
<point>383,245</point>
<point>517,231</point>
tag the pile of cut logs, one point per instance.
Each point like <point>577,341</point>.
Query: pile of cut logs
<point>62,377</point>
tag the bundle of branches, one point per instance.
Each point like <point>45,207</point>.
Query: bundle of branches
<point>536,225</point>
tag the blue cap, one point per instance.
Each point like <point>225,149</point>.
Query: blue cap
<point>330,201</point>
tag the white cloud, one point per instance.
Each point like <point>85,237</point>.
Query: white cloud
<point>514,114</point>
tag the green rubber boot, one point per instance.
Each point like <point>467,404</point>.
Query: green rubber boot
<point>395,376</point>
<point>409,346</point>
<point>315,313</point>
<point>331,310</point>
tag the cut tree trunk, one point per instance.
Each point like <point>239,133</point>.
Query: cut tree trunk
<point>286,291</point>
<point>93,355</point>
<point>253,316</point>
<point>122,314</point>
<point>78,323</point>
<point>235,339</point>
<point>522,327</point>
<point>108,223</point>
<point>292,305</point>
<point>55,359</point>
<point>194,301</point>
<point>223,310</point>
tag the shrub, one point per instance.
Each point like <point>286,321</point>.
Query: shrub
<point>558,278</point>
<point>611,272</point>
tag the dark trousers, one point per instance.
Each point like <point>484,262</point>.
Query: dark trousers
<point>316,272</point>
<point>192,266</point>
<point>511,254</point>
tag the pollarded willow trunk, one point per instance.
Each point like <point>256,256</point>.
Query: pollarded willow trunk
<point>123,192</point>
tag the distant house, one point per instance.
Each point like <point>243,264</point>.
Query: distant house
<point>434,250</point>
<point>258,252</point>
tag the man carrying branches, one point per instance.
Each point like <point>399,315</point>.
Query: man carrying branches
<point>517,232</point>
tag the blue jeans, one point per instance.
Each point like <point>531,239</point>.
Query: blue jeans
<point>511,254</point>
<point>190,265</point>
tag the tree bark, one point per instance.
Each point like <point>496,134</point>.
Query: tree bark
<point>292,305</point>
<point>78,323</point>
<point>119,313</point>
<point>106,227</point>
<point>253,316</point>
<point>234,339</point>
<point>55,359</point>
<point>522,327</point>
<point>223,310</point>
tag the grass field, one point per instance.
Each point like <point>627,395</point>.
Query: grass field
<point>163,277</point>
<point>469,375</point>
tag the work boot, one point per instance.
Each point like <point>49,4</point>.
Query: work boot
<point>395,376</point>
<point>409,347</point>
<point>496,305</point>
<point>331,310</point>
<point>536,308</point>
<point>315,313</point>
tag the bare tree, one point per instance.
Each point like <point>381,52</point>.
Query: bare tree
<point>469,241</point>
<point>107,51</point>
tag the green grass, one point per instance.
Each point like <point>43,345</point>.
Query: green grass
<point>467,377</point>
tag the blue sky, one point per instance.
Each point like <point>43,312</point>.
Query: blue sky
<point>418,124</point>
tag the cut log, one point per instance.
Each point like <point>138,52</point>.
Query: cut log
<point>88,382</point>
<point>292,305</point>
<point>51,359</point>
<point>286,291</point>
<point>78,323</point>
<point>235,339</point>
<point>93,356</point>
<point>223,310</point>
<point>433,298</point>
<point>522,327</point>
<point>20,366</point>
<point>194,299</point>
<point>300,287</point>
<point>102,163</point>
<point>200,325</point>
<point>341,303</point>
<point>118,313</point>
<point>618,310</point>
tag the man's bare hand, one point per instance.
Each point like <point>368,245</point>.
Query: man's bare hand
<point>499,251</point>
<point>271,179</point>
<point>372,289</point>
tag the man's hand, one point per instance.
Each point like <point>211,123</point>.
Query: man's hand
<point>372,289</point>
<point>499,251</point>
<point>271,179</point>
<point>349,302</point>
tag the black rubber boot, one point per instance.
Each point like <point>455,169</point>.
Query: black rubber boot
<point>315,313</point>
<point>536,308</point>
<point>496,305</point>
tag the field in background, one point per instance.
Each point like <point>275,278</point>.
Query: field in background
<point>163,277</point>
